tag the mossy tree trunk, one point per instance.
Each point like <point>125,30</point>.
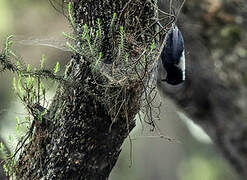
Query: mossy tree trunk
<point>82,132</point>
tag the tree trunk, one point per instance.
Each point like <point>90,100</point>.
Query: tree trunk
<point>93,111</point>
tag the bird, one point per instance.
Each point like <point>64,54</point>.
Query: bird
<point>172,57</point>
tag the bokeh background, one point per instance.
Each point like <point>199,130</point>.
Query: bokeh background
<point>189,156</point>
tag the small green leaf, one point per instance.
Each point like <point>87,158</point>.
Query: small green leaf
<point>6,170</point>
<point>28,68</point>
<point>72,47</point>
<point>97,62</point>
<point>152,47</point>
<point>18,64</point>
<point>40,117</point>
<point>42,62</point>
<point>57,68</point>
<point>99,28</point>
<point>126,58</point>
<point>18,124</point>
<point>68,36</point>
<point>95,40</point>
<point>112,21</point>
<point>14,84</point>
<point>42,88</point>
<point>71,19</point>
<point>8,44</point>
<point>19,85</point>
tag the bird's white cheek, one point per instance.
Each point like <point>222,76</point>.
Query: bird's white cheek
<point>181,65</point>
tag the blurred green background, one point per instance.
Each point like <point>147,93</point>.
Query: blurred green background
<point>191,156</point>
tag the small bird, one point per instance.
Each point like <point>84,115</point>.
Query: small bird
<point>172,57</point>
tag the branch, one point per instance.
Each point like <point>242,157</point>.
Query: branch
<point>213,97</point>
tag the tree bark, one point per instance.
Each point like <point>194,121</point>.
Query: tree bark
<point>81,134</point>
